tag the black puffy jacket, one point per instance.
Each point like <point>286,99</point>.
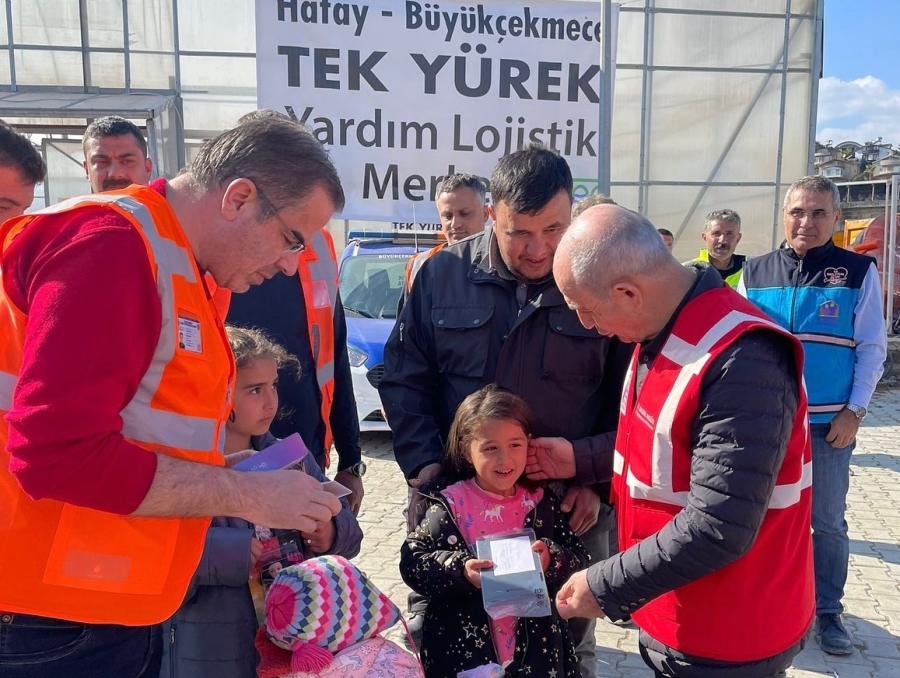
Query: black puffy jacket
<point>456,634</point>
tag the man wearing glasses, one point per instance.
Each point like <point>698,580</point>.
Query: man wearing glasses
<point>115,389</point>
<point>830,299</point>
<point>303,312</point>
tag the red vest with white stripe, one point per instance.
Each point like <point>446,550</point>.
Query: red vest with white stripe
<point>762,603</point>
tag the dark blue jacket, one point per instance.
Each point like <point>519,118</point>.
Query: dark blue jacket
<point>277,307</point>
<point>814,298</point>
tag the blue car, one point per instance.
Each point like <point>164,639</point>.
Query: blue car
<point>372,275</point>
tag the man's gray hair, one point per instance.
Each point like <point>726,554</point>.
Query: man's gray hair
<point>460,180</point>
<point>815,184</point>
<point>279,155</point>
<point>723,215</point>
<point>629,246</point>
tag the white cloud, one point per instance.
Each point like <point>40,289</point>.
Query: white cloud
<point>861,110</point>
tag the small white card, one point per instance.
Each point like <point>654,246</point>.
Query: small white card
<point>512,555</point>
<point>189,335</point>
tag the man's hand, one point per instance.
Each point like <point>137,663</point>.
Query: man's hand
<point>584,503</point>
<point>575,599</point>
<point>473,570</point>
<point>427,474</point>
<point>550,458</point>
<point>843,430</point>
<point>321,539</point>
<point>290,500</point>
<point>355,483</point>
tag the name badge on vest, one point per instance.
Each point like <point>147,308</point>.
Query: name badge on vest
<point>189,336</point>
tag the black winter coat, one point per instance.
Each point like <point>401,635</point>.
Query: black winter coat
<point>465,325</point>
<point>456,635</point>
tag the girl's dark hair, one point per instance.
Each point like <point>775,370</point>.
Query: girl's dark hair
<point>487,404</point>
<point>248,344</point>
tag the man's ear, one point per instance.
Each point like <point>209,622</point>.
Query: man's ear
<point>239,196</point>
<point>630,293</point>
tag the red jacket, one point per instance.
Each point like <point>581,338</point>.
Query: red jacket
<point>762,603</point>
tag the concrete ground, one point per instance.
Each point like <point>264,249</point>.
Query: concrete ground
<point>872,595</point>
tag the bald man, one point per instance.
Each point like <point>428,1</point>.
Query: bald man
<point>712,461</point>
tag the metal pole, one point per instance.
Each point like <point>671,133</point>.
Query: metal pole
<point>892,255</point>
<point>884,237</point>
<point>12,52</point>
<point>815,74</point>
<point>126,46</point>
<point>604,109</point>
<point>785,50</point>
<point>646,96</point>
<point>179,102</point>
<point>85,44</point>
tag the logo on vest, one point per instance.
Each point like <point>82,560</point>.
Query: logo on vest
<point>835,276</point>
<point>645,417</point>
<point>829,312</point>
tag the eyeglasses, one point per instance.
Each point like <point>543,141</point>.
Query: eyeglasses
<point>815,215</point>
<point>294,243</point>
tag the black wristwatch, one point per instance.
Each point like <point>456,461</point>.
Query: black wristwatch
<point>358,469</point>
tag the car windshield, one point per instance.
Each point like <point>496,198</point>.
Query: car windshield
<point>371,285</point>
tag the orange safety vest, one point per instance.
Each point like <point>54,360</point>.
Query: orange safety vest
<point>318,273</point>
<point>69,562</point>
<point>762,603</point>
<point>319,281</point>
<point>416,262</point>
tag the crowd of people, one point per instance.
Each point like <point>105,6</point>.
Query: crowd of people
<point>677,437</point>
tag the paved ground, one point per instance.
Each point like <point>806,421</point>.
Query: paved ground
<point>872,596</point>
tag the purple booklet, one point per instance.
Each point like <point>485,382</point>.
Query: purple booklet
<point>283,454</point>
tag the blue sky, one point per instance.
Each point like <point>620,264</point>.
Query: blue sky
<point>859,95</point>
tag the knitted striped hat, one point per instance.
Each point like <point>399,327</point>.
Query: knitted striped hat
<point>321,606</point>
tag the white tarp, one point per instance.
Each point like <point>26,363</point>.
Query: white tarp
<point>405,93</point>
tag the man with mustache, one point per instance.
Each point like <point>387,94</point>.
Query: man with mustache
<point>463,212</point>
<point>115,154</point>
<point>722,234</point>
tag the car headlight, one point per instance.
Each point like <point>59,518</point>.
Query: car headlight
<point>357,357</point>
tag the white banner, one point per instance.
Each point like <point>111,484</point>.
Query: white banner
<point>404,93</point>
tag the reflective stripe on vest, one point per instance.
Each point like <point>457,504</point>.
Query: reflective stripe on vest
<point>87,565</point>
<point>732,280</point>
<point>416,261</point>
<point>693,358</point>
<point>317,268</point>
<point>140,421</point>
